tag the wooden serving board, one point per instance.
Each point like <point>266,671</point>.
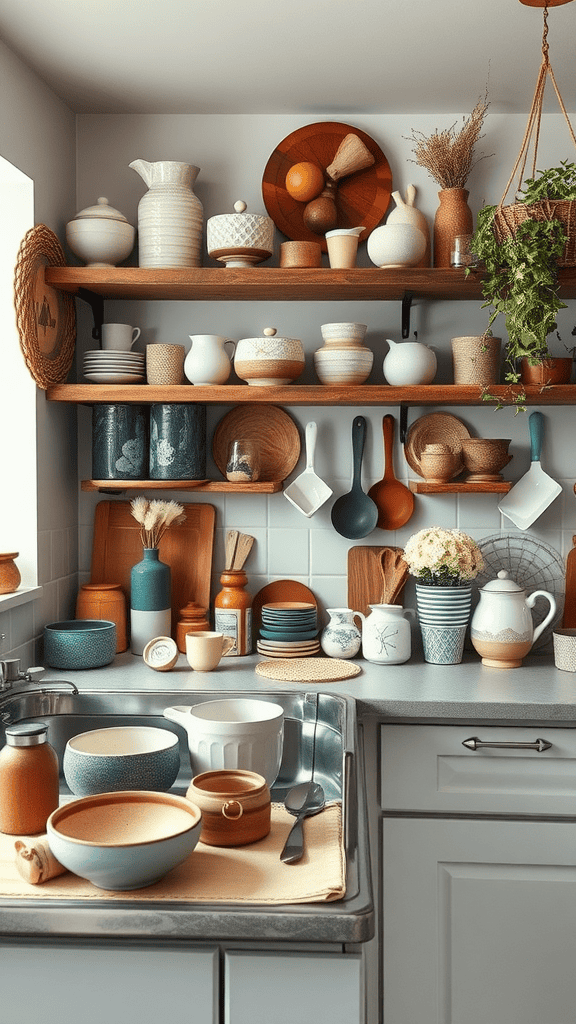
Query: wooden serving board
<point>366,576</point>
<point>569,620</point>
<point>186,548</point>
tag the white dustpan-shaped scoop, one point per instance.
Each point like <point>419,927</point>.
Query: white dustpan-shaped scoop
<point>535,491</point>
<point>308,492</point>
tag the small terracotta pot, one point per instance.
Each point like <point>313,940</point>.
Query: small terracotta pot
<point>104,601</point>
<point>548,371</point>
<point>9,573</point>
<point>484,457</point>
<point>235,806</point>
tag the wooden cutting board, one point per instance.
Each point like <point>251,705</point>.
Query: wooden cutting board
<point>569,620</point>
<point>186,548</point>
<point>366,576</point>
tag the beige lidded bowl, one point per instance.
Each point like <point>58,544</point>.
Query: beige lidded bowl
<point>100,235</point>
<point>268,361</point>
<point>235,806</point>
<point>240,239</point>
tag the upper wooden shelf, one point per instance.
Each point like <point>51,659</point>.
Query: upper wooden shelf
<point>277,283</point>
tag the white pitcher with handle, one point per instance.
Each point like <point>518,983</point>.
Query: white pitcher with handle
<point>502,629</point>
<point>386,637</point>
<point>170,216</point>
<point>207,362</point>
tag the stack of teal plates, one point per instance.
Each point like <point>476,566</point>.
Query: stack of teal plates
<point>289,629</point>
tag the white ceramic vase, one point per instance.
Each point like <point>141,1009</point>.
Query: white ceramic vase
<point>396,245</point>
<point>409,362</point>
<point>207,362</point>
<point>341,638</point>
<point>406,213</point>
<point>170,216</point>
<point>386,637</point>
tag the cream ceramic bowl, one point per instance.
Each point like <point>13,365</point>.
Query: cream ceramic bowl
<point>100,235</point>
<point>124,840</point>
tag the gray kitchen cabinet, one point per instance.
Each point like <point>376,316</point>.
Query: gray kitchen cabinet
<point>85,984</point>
<point>478,876</point>
<point>310,988</point>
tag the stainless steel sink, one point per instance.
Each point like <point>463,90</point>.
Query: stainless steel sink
<point>320,737</point>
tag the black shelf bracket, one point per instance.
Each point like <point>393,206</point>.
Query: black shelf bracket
<point>403,422</point>
<point>406,307</point>
<point>96,303</point>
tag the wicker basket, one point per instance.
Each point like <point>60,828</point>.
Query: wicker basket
<point>508,218</point>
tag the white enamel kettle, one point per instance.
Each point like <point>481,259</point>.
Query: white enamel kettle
<point>502,629</point>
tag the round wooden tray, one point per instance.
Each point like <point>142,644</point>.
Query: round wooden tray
<point>435,428</point>
<point>273,431</point>
<point>361,198</point>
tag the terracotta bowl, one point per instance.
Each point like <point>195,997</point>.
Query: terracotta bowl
<point>484,457</point>
<point>124,840</point>
<point>235,806</point>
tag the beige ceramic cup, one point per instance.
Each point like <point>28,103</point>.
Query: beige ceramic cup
<point>342,247</point>
<point>165,364</point>
<point>119,337</point>
<point>204,648</point>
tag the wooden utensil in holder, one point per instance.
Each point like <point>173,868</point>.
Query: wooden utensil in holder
<point>237,548</point>
<point>320,215</point>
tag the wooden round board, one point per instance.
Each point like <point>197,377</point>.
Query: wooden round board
<point>308,670</point>
<point>361,198</point>
<point>272,429</point>
<point>435,428</point>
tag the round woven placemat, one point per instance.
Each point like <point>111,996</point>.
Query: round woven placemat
<point>46,317</point>
<point>308,670</point>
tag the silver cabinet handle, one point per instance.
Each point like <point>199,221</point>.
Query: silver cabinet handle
<point>475,744</point>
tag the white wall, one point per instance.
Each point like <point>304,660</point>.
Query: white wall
<point>38,137</point>
<point>232,153</point>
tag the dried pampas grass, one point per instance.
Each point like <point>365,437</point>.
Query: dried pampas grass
<point>155,517</point>
<point>448,156</point>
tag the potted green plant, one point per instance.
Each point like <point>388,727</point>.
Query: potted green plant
<point>520,262</point>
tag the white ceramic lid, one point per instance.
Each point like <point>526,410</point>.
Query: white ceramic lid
<point>161,653</point>
<point>503,585</point>
<point>270,332</point>
<point>102,210</point>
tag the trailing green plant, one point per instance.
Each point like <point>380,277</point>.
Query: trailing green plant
<point>520,282</point>
<point>553,183</point>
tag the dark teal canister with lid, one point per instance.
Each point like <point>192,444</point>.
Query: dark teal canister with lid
<point>177,441</point>
<point>119,442</point>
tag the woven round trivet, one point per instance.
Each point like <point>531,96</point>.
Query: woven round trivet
<point>46,317</point>
<point>308,670</point>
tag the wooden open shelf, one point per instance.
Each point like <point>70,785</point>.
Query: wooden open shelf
<point>460,487</point>
<point>206,486</point>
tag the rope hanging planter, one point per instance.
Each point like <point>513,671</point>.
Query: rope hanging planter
<point>508,218</point>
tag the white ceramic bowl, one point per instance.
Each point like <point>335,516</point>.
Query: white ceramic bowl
<point>122,757</point>
<point>124,840</point>
<point>396,245</point>
<point>268,360</point>
<point>343,331</point>
<point>233,733</point>
<point>343,366</point>
<point>100,241</point>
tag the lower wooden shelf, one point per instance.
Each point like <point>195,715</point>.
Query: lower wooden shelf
<point>210,486</point>
<point>460,487</point>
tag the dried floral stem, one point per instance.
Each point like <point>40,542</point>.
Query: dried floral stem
<point>155,517</point>
<point>448,156</point>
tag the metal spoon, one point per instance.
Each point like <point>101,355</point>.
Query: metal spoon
<point>303,800</point>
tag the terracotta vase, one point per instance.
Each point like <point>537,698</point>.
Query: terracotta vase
<point>9,573</point>
<point>548,371</point>
<point>453,217</point>
<point>104,601</point>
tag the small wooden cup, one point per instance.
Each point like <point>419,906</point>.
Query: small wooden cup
<point>300,254</point>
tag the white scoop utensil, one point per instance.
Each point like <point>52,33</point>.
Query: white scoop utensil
<point>308,491</point>
<point>535,491</point>
<point>303,800</point>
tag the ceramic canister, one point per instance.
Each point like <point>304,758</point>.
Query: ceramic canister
<point>235,806</point>
<point>177,441</point>
<point>119,442</point>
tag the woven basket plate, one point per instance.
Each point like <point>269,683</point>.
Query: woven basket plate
<point>46,318</point>
<point>435,428</point>
<point>308,670</point>
<point>271,428</point>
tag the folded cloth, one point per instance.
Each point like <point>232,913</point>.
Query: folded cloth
<point>35,860</point>
<point>246,874</point>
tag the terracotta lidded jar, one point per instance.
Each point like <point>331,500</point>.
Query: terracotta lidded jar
<point>105,601</point>
<point>29,789</point>
<point>233,611</point>
<point>192,620</point>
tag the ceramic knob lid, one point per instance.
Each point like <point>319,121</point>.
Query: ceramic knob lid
<point>101,210</point>
<point>503,585</point>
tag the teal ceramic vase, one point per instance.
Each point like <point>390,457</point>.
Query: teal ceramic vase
<point>150,600</point>
<point>443,613</point>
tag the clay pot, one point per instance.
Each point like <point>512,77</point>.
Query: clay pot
<point>548,371</point>
<point>484,457</point>
<point>235,806</point>
<point>104,601</point>
<point>9,573</point>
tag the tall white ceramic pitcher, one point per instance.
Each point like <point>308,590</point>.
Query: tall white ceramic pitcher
<point>207,361</point>
<point>170,216</point>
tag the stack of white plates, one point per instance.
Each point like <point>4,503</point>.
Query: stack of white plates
<point>108,366</point>
<point>289,630</point>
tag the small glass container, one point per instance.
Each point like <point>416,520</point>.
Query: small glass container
<point>460,255</point>
<point>242,462</point>
<point>29,785</point>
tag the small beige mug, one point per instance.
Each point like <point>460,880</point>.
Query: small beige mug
<point>205,648</point>
<point>119,337</point>
<point>564,641</point>
<point>165,364</point>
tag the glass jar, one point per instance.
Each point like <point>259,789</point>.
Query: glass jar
<point>233,611</point>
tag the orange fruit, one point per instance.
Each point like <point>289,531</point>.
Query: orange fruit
<point>304,182</point>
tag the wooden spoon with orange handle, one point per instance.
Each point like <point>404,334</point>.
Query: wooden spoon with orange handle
<point>394,501</point>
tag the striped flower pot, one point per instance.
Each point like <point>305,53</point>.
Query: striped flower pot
<point>443,613</point>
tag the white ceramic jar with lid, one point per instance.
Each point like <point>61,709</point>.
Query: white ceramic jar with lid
<point>100,235</point>
<point>240,239</point>
<point>268,361</point>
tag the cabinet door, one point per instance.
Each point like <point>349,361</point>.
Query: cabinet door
<point>68,985</point>
<point>310,988</point>
<point>479,922</point>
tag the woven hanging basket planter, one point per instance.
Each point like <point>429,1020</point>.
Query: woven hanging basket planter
<point>508,218</point>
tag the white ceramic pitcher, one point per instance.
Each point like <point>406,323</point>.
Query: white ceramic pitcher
<point>502,629</point>
<point>341,638</point>
<point>386,637</point>
<point>207,362</point>
<point>409,362</point>
<point>170,216</point>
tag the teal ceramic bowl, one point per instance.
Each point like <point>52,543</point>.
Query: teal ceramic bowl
<point>79,643</point>
<point>122,841</point>
<point>120,758</point>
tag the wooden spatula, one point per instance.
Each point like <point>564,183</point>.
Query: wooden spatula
<point>243,549</point>
<point>394,574</point>
<point>230,548</point>
<point>569,620</point>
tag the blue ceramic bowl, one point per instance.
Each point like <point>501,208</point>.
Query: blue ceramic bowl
<point>120,758</point>
<point>126,840</point>
<point>79,643</point>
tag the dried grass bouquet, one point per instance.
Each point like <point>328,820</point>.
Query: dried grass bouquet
<point>448,156</point>
<point>443,558</point>
<point>155,517</point>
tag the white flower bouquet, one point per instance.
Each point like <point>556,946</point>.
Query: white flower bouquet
<point>443,558</point>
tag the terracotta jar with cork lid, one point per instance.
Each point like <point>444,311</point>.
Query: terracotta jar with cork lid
<point>29,787</point>
<point>192,620</point>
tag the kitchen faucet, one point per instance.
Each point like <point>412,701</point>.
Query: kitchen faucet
<point>10,672</point>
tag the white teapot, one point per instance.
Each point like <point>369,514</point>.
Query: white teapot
<point>386,636</point>
<point>502,629</point>
<point>409,362</point>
